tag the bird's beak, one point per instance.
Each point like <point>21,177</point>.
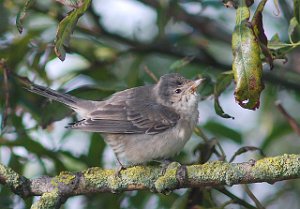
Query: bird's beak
<point>195,84</point>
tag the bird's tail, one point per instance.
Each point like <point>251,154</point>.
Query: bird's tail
<point>71,101</point>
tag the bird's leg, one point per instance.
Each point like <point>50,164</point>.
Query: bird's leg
<point>164,165</point>
<point>120,167</point>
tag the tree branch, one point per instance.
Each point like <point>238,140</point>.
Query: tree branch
<point>204,25</point>
<point>94,180</point>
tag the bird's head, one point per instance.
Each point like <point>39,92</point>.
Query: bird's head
<point>176,91</point>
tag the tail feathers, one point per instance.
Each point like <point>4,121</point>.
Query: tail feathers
<point>55,95</point>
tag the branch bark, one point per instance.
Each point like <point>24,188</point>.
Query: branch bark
<point>55,190</point>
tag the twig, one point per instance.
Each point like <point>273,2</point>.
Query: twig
<point>150,73</point>
<point>236,199</point>
<point>221,155</point>
<point>227,203</point>
<point>6,93</point>
<point>246,149</point>
<point>252,197</point>
<point>293,123</point>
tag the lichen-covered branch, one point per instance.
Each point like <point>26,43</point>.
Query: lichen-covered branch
<point>55,190</point>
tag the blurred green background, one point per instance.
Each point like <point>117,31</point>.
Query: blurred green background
<point>114,46</point>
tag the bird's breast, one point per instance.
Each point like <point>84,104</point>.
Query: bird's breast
<point>132,149</point>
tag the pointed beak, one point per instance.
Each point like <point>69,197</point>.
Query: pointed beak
<point>195,84</point>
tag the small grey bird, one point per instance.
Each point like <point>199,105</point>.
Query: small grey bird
<point>140,124</point>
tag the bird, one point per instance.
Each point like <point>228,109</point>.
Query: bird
<point>140,124</point>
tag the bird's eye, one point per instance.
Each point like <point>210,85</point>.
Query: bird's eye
<point>178,91</point>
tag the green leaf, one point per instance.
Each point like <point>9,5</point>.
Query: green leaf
<point>21,15</point>
<point>247,65</point>
<point>65,29</point>
<point>4,19</point>
<point>297,10</point>
<point>181,63</point>
<point>181,202</point>
<point>293,25</point>
<point>36,148</point>
<point>223,81</point>
<point>224,131</point>
<point>206,88</point>
<point>242,13</point>
<point>277,132</point>
<point>219,110</point>
<point>276,44</point>
<point>96,150</point>
<point>52,111</point>
<point>279,48</point>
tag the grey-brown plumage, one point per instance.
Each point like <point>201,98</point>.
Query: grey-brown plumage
<point>140,124</point>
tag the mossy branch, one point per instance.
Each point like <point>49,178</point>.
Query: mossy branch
<point>55,190</point>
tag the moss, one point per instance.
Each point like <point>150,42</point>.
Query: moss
<point>129,178</point>
<point>292,165</point>
<point>168,182</point>
<point>101,178</point>
<point>137,173</point>
<point>10,177</point>
<point>208,171</point>
<point>49,200</point>
<point>64,177</point>
<point>286,165</point>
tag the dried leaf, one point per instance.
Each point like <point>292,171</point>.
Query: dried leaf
<point>71,3</point>
<point>247,65</point>
<point>222,130</point>
<point>65,29</point>
<point>257,24</point>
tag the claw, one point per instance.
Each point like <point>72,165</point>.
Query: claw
<point>164,165</point>
<point>120,167</point>
<point>118,171</point>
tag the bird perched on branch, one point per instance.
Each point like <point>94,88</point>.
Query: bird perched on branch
<point>140,124</point>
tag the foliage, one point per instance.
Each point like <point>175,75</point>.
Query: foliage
<point>228,52</point>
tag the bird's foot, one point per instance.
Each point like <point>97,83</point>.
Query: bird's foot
<point>164,165</point>
<point>181,173</point>
<point>119,168</point>
<point>118,171</point>
<point>174,175</point>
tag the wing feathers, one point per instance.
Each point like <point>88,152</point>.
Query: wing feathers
<point>129,116</point>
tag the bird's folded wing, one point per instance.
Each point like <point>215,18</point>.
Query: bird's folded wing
<point>121,117</point>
